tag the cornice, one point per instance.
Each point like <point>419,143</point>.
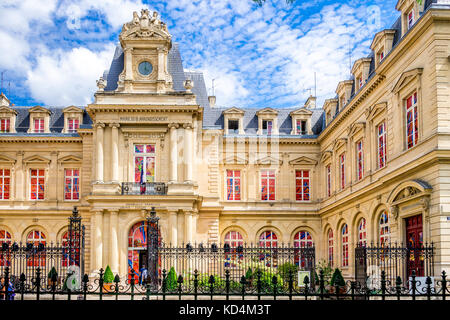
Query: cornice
<point>13,139</point>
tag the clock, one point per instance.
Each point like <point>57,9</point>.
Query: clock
<point>145,68</point>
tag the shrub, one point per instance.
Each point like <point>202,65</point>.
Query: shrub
<point>108,277</point>
<point>52,272</point>
<point>285,269</point>
<point>171,280</point>
<point>337,279</point>
<point>324,266</point>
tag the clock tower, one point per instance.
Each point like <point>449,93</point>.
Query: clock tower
<point>146,43</point>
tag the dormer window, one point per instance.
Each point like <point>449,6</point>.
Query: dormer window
<point>74,124</point>
<point>382,44</point>
<point>267,126</point>
<point>39,125</point>
<point>380,56</point>
<point>233,121</point>
<point>360,82</point>
<point>5,125</point>
<point>301,127</point>
<point>410,18</point>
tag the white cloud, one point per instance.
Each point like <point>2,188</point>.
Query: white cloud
<point>68,77</point>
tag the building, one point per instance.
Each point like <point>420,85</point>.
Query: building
<point>371,165</point>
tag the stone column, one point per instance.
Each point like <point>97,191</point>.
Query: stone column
<point>115,151</point>
<point>98,240</point>
<point>173,223</point>
<point>173,152</point>
<point>161,67</point>
<point>53,177</point>
<point>188,226</point>
<point>188,151</point>
<point>114,244</point>
<point>99,168</point>
<point>20,175</point>
<point>128,63</point>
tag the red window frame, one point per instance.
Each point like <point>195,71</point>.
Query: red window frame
<point>302,185</point>
<point>268,183</point>
<point>412,121</point>
<point>328,180</point>
<point>39,125</point>
<point>234,239</point>
<point>345,245</point>
<point>359,160</point>
<point>330,247</point>
<point>362,233</point>
<point>342,170</point>
<point>73,124</point>
<point>269,126</point>
<point>410,19</point>
<point>384,229</point>
<point>5,125</point>
<point>302,239</point>
<point>5,184</point>
<point>71,184</point>
<point>233,185</point>
<point>36,258</point>
<point>37,184</point>
<point>301,127</point>
<point>381,141</point>
<point>268,242</point>
<point>5,237</point>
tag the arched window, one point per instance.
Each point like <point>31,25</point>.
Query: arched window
<point>384,229</point>
<point>330,247</point>
<point>233,244</point>
<point>36,256</point>
<point>268,243</point>
<point>303,244</point>
<point>362,234</point>
<point>5,237</point>
<point>345,245</point>
<point>303,239</point>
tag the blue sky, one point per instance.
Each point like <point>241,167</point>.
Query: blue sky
<point>52,51</point>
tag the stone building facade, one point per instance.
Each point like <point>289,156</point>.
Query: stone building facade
<point>371,165</point>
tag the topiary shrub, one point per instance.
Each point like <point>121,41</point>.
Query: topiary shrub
<point>249,274</point>
<point>171,282</point>
<point>51,273</point>
<point>285,269</point>
<point>108,277</point>
<point>337,279</point>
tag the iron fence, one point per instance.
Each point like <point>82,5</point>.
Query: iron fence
<point>96,288</point>
<point>394,260</point>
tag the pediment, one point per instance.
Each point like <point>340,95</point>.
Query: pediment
<point>269,160</point>
<point>379,36</point>
<point>407,77</point>
<point>376,110</point>
<point>303,161</point>
<point>72,109</point>
<point>234,159</point>
<point>7,159</point>
<point>70,159</point>
<point>267,111</point>
<point>358,63</point>
<point>343,84</point>
<point>301,111</point>
<point>234,110</point>
<point>36,159</point>
<point>39,109</point>
<point>339,143</point>
<point>326,155</point>
<point>355,128</point>
<point>5,109</point>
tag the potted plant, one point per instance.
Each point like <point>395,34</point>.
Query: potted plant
<point>337,280</point>
<point>50,275</point>
<point>108,280</point>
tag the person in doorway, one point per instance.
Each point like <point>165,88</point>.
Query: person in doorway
<point>143,275</point>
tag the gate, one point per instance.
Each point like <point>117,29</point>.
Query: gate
<point>152,249</point>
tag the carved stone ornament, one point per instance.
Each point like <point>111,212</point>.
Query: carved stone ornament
<point>101,84</point>
<point>188,85</point>
<point>394,212</point>
<point>145,27</point>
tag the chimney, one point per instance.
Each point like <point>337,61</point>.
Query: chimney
<point>311,102</point>
<point>212,101</point>
<point>4,101</point>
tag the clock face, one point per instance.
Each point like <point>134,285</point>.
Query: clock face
<point>145,68</point>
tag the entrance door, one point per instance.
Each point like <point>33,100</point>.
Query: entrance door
<point>414,238</point>
<point>142,259</point>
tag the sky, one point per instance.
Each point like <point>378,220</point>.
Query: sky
<point>53,51</point>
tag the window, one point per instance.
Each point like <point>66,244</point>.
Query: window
<point>233,126</point>
<point>342,102</point>
<point>410,19</point>
<point>342,170</point>
<point>381,132</point>
<point>232,244</point>
<point>328,117</point>
<point>360,82</point>
<point>5,125</point>
<point>144,163</point>
<point>359,160</point>
<point>412,122</point>
<point>233,185</point>
<point>5,237</point>
<point>72,184</point>
<point>37,187</point>
<point>73,124</point>
<point>380,56</point>
<point>362,234</point>
<point>38,125</point>
<point>328,169</point>
<point>302,185</point>
<point>36,257</point>
<point>303,241</point>
<point>330,247</point>
<point>267,126</point>
<point>5,184</point>
<point>384,229</point>
<point>268,185</point>
<point>268,240</point>
<point>301,127</point>
<point>345,245</point>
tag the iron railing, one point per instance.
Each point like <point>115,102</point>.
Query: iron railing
<point>145,188</point>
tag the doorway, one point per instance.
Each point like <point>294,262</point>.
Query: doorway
<point>414,244</point>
